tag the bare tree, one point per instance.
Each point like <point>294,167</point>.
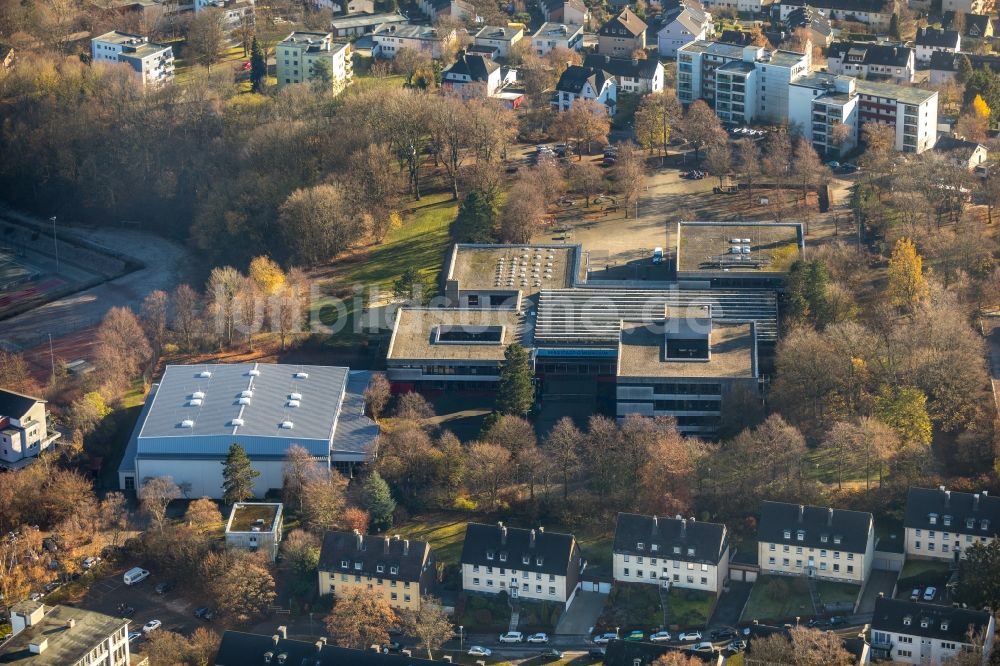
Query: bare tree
<point>587,178</point>
<point>719,161</point>
<point>377,395</point>
<point>122,348</point>
<point>522,214</point>
<point>300,467</point>
<point>206,37</point>
<point>561,446</point>
<point>629,176</point>
<point>203,515</point>
<point>153,315</point>
<point>430,625</point>
<point>223,290</point>
<point>15,375</point>
<point>487,469</point>
<point>701,128</point>
<point>186,318</point>
<point>157,493</point>
<point>323,501</point>
<point>361,618</point>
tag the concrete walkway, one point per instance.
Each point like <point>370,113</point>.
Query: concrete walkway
<point>878,581</point>
<point>581,616</point>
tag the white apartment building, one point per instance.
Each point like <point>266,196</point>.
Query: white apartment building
<point>912,111</point>
<point>24,431</point>
<point>693,23</point>
<point>530,564</point>
<point>819,102</point>
<point>739,6</point>
<point>671,552</point>
<point>875,14</point>
<point>152,63</point>
<point>499,38</point>
<point>389,39</point>
<point>940,523</point>
<point>751,82</point>
<point>298,54</point>
<point>819,542</point>
<point>557,35</point>
<point>910,632</point>
<point>64,636</point>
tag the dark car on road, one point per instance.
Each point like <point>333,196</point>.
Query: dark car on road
<point>163,587</point>
<point>723,634</point>
<point>204,612</point>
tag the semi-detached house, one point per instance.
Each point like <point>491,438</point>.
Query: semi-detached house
<point>909,632</point>
<point>531,564</point>
<point>941,523</point>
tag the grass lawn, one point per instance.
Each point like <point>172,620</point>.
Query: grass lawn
<point>831,592</point>
<point>421,242</point>
<point>632,606</point>
<point>596,548</point>
<point>777,598</point>
<point>921,573</point>
<point>822,465</point>
<point>689,608</point>
<point>445,533</point>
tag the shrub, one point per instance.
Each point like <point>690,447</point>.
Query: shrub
<point>464,504</point>
<point>483,616</point>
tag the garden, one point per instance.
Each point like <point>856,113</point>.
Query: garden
<point>689,608</point>
<point>632,606</point>
<point>482,613</point>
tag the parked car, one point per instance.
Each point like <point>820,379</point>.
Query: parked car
<point>930,593</point>
<point>538,638</point>
<point>660,637</point>
<point>551,654</point>
<point>818,623</point>
<point>836,620</point>
<point>736,646</point>
<point>133,635</point>
<point>723,634</point>
<point>135,575</point>
<point>204,612</point>
<point>391,647</point>
<point>704,646</point>
<point>36,596</point>
<point>915,594</point>
<point>512,637</point>
<point>163,587</point>
<point>833,164</point>
<point>125,610</point>
<point>479,651</point>
<point>609,160</point>
<point>152,625</point>
<point>689,636</point>
<point>52,587</point>
<point>637,635</point>
<point>604,639</point>
<point>91,562</point>
<point>596,653</point>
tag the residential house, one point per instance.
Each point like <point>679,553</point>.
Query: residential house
<point>940,523</point>
<point>244,649</point>
<point>944,65</point>
<point>876,14</point>
<point>255,526</point>
<point>337,7</point>
<point>196,412</point>
<point>301,57</point>
<point>557,35</point>
<point>931,40</point>
<point>534,565</point>
<point>969,6</point>
<point>814,21</point>
<point>586,83</point>
<point>471,77</point>
<point>966,154</point>
<point>389,39</point>
<point>977,26</point>
<point>499,38</point>
<point>363,24</point>
<point>400,570</point>
<point>878,61</point>
<point>632,75</point>
<point>910,632</point>
<point>571,12</point>
<point>152,63</point>
<point>622,35</point>
<point>818,542</point>
<point>671,552</point>
<point>64,636</point>
<point>434,9</point>
<point>744,7</point>
<point>24,430</point>
<point>690,24</point>
<point>234,12</point>
<point>752,82</point>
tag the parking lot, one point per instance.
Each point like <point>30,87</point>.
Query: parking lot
<point>176,612</point>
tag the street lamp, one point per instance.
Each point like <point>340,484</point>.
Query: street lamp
<point>461,646</point>
<point>55,242</point>
<point>616,632</point>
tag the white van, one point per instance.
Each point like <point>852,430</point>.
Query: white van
<point>135,575</point>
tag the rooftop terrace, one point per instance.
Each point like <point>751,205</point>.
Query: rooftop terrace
<point>737,247</point>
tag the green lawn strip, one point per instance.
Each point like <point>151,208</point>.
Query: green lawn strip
<point>822,464</point>
<point>778,598</point>
<point>689,608</point>
<point>444,532</point>
<point>831,592</point>
<point>631,606</point>
<point>596,549</point>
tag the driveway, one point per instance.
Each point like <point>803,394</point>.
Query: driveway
<point>730,607</point>
<point>582,614</point>
<point>878,581</point>
<point>173,610</point>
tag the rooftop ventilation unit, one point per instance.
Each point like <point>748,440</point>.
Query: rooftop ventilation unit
<point>246,394</point>
<point>302,375</point>
<point>254,373</point>
<point>243,401</point>
<point>287,425</point>
<point>194,402</point>
<point>204,374</point>
<point>294,396</point>
<point>294,403</point>
<point>187,423</point>
<point>198,395</point>
<point>236,422</point>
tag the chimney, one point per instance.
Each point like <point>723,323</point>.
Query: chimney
<point>541,530</point>
<point>358,539</point>
<point>684,527</point>
<point>947,498</point>
<point>656,525</point>
<point>975,502</point>
<point>406,546</point>
<point>802,512</point>
<point>38,646</point>
<point>503,534</point>
<point>531,543</point>
<point>274,639</point>
<point>283,632</point>
<point>386,541</point>
<point>70,623</point>
<point>941,488</point>
<point>881,595</point>
<point>319,646</point>
<point>607,59</point>
<point>829,517</point>
<point>635,62</point>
